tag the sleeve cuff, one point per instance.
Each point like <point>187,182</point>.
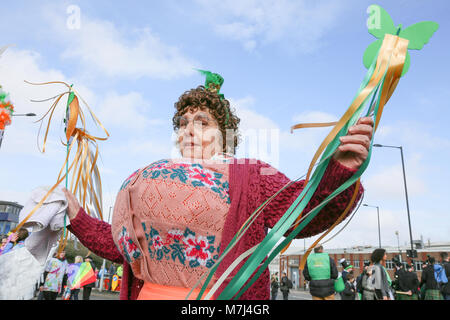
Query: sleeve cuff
<point>336,174</point>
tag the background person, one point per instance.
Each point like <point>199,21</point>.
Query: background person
<point>408,283</point>
<point>321,272</point>
<point>285,286</point>
<point>382,283</point>
<point>111,273</point>
<point>349,292</point>
<point>446,265</point>
<point>71,273</point>
<point>56,268</point>
<point>367,283</point>
<point>87,289</point>
<point>274,286</point>
<point>432,289</point>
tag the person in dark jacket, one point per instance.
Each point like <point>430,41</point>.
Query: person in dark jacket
<point>446,265</point>
<point>285,285</point>
<point>111,271</point>
<point>409,284</point>
<point>274,285</point>
<point>349,292</point>
<point>346,268</point>
<point>321,271</point>
<point>432,290</point>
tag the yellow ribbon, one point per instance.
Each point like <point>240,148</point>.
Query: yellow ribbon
<point>390,62</point>
<point>84,163</point>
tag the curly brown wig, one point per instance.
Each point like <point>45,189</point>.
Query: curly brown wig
<point>202,99</point>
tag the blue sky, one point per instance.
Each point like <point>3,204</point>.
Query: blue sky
<point>283,62</point>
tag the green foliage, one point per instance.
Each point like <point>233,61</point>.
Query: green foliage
<point>77,249</point>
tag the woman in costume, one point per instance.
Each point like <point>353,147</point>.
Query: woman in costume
<point>172,218</point>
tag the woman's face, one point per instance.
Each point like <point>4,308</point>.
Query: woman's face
<point>199,136</point>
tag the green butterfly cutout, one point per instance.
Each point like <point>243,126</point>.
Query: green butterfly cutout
<point>380,23</point>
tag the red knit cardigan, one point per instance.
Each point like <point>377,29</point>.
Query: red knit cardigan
<point>248,190</point>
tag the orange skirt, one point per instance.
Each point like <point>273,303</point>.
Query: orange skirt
<point>152,291</point>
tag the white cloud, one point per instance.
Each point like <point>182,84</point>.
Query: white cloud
<point>299,24</point>
<point>387,183</point>
<point>127,111</point>
<point>103,48</point>
<point>15,67</point>
<point>273,142</point>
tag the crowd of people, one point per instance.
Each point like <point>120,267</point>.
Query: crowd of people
<point>374,282</point>
<point>58,273</point>
<point>56,280</point>
<point>285,284</point>
<point>320,272</point>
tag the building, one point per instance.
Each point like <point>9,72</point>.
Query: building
<point>9,216</point>
<point>290,261</point>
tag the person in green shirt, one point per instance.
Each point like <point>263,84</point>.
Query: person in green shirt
<point>321,272</point>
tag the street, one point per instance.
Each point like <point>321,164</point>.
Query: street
<point>300,295</point>
<point>293,295</point>
<point>106,295</point>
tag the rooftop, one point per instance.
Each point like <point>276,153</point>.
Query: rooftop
<point>431,247</point>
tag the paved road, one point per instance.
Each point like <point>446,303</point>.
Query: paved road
<point>293,295</point>
<point>299,295</point>
<point>105,295</point>
<point>96,295</point>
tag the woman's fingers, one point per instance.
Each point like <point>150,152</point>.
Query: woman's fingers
<point>356,139</point>
<point>364,129</point>
<point>358,149</point>
<point>355,146</point>
<point>366,120</point>
<point>73,205</point>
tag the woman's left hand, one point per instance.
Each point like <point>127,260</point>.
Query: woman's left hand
<point>354,147</point>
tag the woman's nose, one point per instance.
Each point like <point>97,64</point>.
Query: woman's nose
<point>194,127</point>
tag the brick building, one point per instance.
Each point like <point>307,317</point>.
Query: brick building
<point>289,262</point>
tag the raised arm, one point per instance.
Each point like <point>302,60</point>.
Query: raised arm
<point>334,176</point>
<point>350,155</point>
<point>93,234</point>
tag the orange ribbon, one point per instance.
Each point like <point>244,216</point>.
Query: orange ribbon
<point>85,174</point>
<point>390,62</point>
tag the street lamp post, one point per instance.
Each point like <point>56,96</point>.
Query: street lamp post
<point>398,245</point>
<point>25,115</point>
<point>406,189</point>
<point>378,216</point>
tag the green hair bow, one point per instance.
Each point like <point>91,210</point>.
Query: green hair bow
<point>213,83</point>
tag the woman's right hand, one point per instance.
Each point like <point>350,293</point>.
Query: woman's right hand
<point>73,204</point>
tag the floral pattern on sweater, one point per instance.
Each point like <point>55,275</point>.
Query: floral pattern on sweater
<point>185,247</point>
<point>129,249</point>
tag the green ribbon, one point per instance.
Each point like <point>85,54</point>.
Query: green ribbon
<point>69,101</point>
<point>231,291</point>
